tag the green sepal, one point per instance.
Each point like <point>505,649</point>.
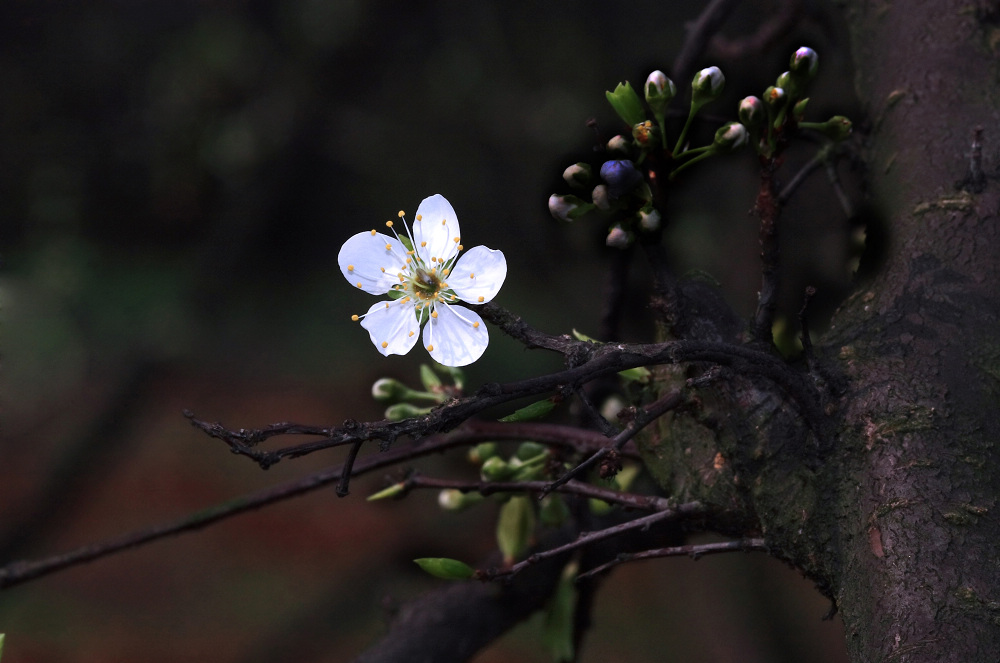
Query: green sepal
<point>406,242</point>
<point>536,410</point>
<point>446,568</point>
<point>627,104</point>
<point>394,490</point>
<point>515,526</point>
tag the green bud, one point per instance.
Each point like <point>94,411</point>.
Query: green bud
<point>626,103</point>
<point>401,411</point>
<point>567,208</point>
<point>482,452</point>
<point>388,390</point>
<point>804,62</point>
<point>793,84</point>
<point>536,410</point>
<point>752,113</point>
<point>707,85</point>
<point>837,127</point>
<point>455,500</point>
<point>495,469</point>
<point>659,90</point>
<point>578,175</point>
<point>730,137</point>
<point>618,237</point>
<point>799,109</point>
<point>599,507</point>
<point>529,450</point>
<point>580,336</point>
<point>394,490</point>
<point>775,99</point>
<point>445,568</point>
<point>429,378</point>
<point>619,145</point>
<point>552,510</point>
<point>515,526</point>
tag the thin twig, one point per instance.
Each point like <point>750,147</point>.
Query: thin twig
<point>699,33</point>
<point>694,551</point>
<point>587,538</point>
<point>767,210</point>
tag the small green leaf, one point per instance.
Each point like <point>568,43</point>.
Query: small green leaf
<point>1,644</point>
<point>580,336</point>
<point>557,632</point>
<point>406,242</point>
<point>446,568</point>
<point>392,491</point>
<point>430,379</point>
<point>627,104</point>
<point>639,374</point>
<point>515,526</point>
<point>536,410</point>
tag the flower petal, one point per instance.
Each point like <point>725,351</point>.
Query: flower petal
<point>393,326</point>
<point>368,264</point>
<point>435,230</point>
<point>477,276</point>
<point>456,337</point>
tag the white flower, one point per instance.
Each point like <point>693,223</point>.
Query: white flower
<point>424,282</point>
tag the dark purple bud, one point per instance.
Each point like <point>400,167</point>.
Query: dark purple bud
<point>621,177</point>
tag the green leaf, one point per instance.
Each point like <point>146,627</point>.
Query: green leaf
<point>515,526</point>
<point>529,412</point>
<point>627,104</point>
<point>557,632</point>
<point>639,374</point>
<point>392,491</point>
<point>580,336</point>
<point>446,568</point>
<point>1,644</point>
<point>429,378</point>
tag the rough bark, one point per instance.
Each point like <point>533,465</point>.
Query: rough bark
<point>891,504</point>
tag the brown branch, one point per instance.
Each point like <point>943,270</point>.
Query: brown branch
<point>695,551</point>
<point>700,32</point>
<point>690,509</point>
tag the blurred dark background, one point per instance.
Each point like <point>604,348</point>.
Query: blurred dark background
<point>176,179</point>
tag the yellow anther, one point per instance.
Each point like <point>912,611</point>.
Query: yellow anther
<point>456,239</point>
<point>359,284</point>
<point>408,261</point>
<point>355,318</point>
<point>446,272</point>
<point>444,221</point>
<point>430,348</point>
<point>401,214</point>
<point>350,268</point>
<point>404,300</point>
<point>410,334</point>
<point>388,247</point>
<point>423,243</point>
<point>420,217</point>
<point>434,314</point>
<point>385,344</point>
<point>387,304</point>
<point>481,298</point>
<point>460,247</point>
<point>475,325</point>
<point>472,275</point>
<point>388,224</point>
<point>373,231</point>
<point>383,269</point>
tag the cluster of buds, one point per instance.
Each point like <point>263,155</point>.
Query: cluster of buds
<point>403,402</point>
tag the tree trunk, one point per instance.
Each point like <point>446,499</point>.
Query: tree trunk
<point>891,504</point>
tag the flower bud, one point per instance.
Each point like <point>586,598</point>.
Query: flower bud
<point>626,103</point>
<point>752,113</point>
<point>618,145</point>
<point>645,133</point>
<point>578,175</point>
<point>707,85</point>
<point>495,469</point>
<point>649,219</point>
<point>567,208</point>
<point>730,137</point>
<point>401,411</point>
<point>804,62</point>
<point>837,127</point>
<point>601,197</point>
<point>799,109</point>
<point>455,500</point>
<point>482,452</point>
<point>388,390</point>
<point>775,98</point>
<point>621,177</point>
<point>618,238</point>
<point>659,91</point>
<point>528,450</point>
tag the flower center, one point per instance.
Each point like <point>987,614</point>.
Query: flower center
<point>425,284</point>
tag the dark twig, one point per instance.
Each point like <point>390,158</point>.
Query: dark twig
<point>699,33</point>
<point>767,210</point>
<point>594,415</point>
<point>687,510</point>
<point>642,418</point>
<point>801,176</point>
<point>767,34</point>
<point>804,320</point>
<point>695,551</point>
